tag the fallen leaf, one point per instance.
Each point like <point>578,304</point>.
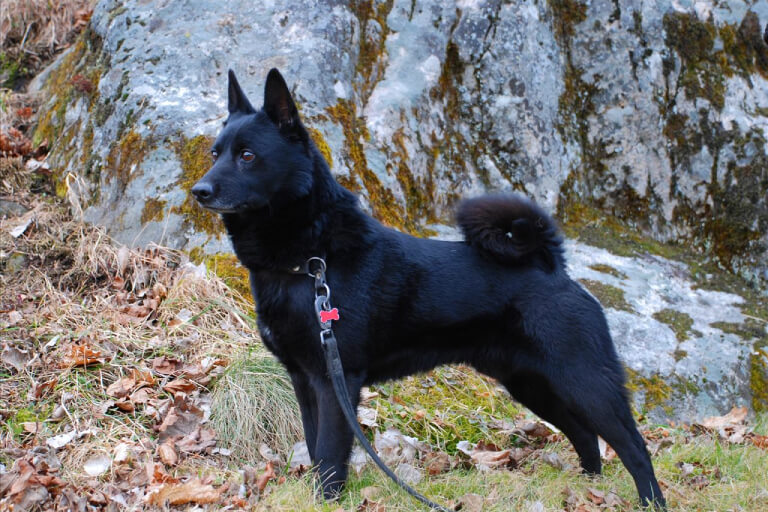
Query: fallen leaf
<point>596,496</point>
<point>180,386</point>
<point>471,503</point>
<point>180,421</point>
<point>165,365</point>
<point>81,355</point>
<point>19,229</point>
<point>437,462</point>
<point>167,453</point>
<point>61,440</point>
<point>370,493</point>
<point>121,387</point>
<point>554,460</point>
<point>367,416</point>
<point>408,473</point>
<point>32,427</point>
<point>370,506</point>
<point>759,441</point>
<point>14,357</point>
<point>197,440</point>
<point>486,460</point>
<point>265,477</point>
<point>182,494</point>
<point>97,465</point>
<point>393,447</point>
<point>736,416</point>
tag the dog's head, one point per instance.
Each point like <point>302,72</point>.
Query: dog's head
<point>259,155</point>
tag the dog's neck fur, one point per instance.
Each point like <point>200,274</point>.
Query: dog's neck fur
<point>288,231</point>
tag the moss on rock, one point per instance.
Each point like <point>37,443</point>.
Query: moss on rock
<point>608,295</point>
<point>125,157</point>
<point>321,144</point>
<point>385,206</point>
<point>679,322</point>
<point>228,268</point>
<point>607,269</point>
<point>154,210</point>
<point>195,157</point>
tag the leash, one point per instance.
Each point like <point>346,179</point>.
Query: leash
<point>325,315</point>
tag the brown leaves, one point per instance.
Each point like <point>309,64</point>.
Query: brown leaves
<point>729,427</point>
<point>193,491</point>
<point>28,484</point>
<point>81,355</point>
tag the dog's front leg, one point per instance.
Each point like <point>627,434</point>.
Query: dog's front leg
<point>308,407</point>
<point>334,437</point>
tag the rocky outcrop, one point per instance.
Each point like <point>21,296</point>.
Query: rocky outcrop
<point>651,115</point>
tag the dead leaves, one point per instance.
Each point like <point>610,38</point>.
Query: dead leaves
<point>29,483</point>
<point>186,493</point>
<point>82,355</point>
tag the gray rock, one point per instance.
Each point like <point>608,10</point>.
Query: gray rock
<point>11,209</point>
<point>654,113</point>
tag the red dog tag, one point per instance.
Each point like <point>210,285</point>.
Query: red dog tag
<point>327,316</point>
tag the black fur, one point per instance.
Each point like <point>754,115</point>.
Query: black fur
<point>511,229</point>
<point>504,305</point>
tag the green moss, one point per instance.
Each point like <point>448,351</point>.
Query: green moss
<point>125,157</point>
<point>566,14</point>
<point>609,296</point>
<point>228,268</point>
<point>758,378</point>
<point>656,391</point>
<point>154,210</point>
<point>679,322</point>
<point>322,145</point>
<point>744,47</point>
<point>701,74</point>
<point>372,45</point>
<point>445,406</point>
<point>385,206</point>
<point>607,269</point>
<point>195,156</point>
<point>748,330</point>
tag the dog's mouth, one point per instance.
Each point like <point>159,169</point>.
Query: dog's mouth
<point>218,209</point>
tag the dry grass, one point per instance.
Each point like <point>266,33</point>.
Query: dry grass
<point>253,403</point>
<point>64,284</point>
<point>31,31</point>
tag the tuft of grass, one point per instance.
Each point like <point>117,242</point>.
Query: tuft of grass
<point>253,403</point>
<point>445,406</point>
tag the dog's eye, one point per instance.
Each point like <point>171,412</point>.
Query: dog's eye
<point>247,156</point>
<point>214,154</point>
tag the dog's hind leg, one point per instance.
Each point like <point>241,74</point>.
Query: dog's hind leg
<point>534,393</point>
<point>334,437</point>
<point>305,396</point>
<point>602,403</point>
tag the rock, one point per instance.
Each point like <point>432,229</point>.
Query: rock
<point>649,114</point>
<point>653,113</point>
<point>11,209</point>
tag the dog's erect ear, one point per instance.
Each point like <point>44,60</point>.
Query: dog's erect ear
<point>237,100</point>
<point>278,103</point>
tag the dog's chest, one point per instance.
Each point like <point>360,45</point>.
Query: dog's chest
<point>285,317</point>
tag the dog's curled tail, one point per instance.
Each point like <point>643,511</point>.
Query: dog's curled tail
<point>512,230</point>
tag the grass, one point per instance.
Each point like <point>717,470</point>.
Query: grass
<point>253,403</point>
<point>31,31</point>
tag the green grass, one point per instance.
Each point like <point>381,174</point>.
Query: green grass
<point>736,477</point>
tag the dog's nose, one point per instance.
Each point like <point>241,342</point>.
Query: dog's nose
<point>202,191</point>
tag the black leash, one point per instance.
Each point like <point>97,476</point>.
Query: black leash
<point>325,315</point>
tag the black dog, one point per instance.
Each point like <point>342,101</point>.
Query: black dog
<point>501,301</point>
